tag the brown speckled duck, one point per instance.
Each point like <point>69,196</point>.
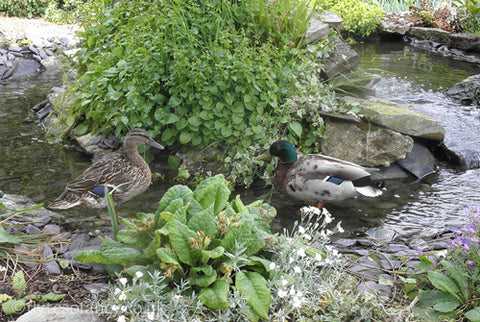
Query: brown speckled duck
<point>318,178</point>
<point>125,176</point>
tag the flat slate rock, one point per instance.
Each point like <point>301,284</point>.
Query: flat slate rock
<point>49,314</point>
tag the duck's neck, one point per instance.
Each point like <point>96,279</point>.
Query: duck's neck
<point>280,176</point>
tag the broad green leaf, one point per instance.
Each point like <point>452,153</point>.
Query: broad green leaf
<point>204,221</point>
<point>212,254</point>
<point>446,306</point>
<point>424,264</point>
<point>213,190</point>
<point>444,283</point>
<point>170,118</point>
<point>215,296</point>
<point>7,238</point>
<point>432,297</point>
<point>296,128</point>
<point>13,306</point>
<point>473,314</point>
<point>458,276</point>
<point>175,192</point>
<point>181,214</point>
<point>247,233</point>
<point>174,161</point>
<point>254,287</point>
<point>238,205</point>
<point>185,137</point>
<point>167,256</point>
<point>131,237</point>
<point>81,129</point>
<point>202,276</point>
<point>18,283</point>
<point>179,234</point>
<point>111,252</point>
<point>51,297</point>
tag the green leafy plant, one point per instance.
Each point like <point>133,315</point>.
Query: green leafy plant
<point>11,305</point>
<point>24,8</point>
<point>457,292</point>
<point>359,17</point>
<point>468,16</point>
<point>199,74</point>
<point>200,237</point>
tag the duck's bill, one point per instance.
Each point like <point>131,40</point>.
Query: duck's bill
<point>155,145</point>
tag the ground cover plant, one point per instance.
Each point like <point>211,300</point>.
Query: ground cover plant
<point>202,257</point>
<point>456,293</point>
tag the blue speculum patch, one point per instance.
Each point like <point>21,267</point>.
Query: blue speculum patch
<point>334,180</point>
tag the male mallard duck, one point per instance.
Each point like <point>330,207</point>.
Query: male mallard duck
<point>125,176</point>
<point>319,178</point>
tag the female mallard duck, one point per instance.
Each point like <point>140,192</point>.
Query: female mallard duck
<point>319,178</point>
<point>125,176</point>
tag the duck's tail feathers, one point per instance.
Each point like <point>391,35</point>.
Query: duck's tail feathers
<point>367,187</point>
<point>369,191</point>
<point>65,201</point>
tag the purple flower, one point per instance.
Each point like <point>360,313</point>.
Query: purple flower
<point>470,263</point>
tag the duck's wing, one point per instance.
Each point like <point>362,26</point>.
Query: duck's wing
<point>315,166</point>
<point>108,171</point>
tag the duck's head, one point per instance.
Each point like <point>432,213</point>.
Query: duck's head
<point>138,137</point>
<point>284,150</point>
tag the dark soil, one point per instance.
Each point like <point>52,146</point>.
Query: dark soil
<point>71,282</point>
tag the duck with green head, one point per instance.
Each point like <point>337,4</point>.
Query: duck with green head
<point>319,178</point>
<point>125,176</point>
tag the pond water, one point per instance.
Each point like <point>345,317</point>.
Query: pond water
<point>32,166</point>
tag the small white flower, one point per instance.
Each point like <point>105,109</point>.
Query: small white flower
<point>138,274</point>
<point>297,302</point>
<point>114,308</point>
<point>151,316</point>
<point>284,282</point>
<point>297,269</point>
<point>318,257</point>
<point>307,237</point>
<point>291,260</point>
<point>122,296</point>
<point>272,266</point>
<point>301,230</point>
<point>177,297</point>
<point>3,268</point>
<point>292,291</point>
<point>117,290</point>
<point>123,280</point>
<point>121,318</point>
<point>301,252</point>
<point>340,229</point>
<point>123,308</point>
<point>282,293</point>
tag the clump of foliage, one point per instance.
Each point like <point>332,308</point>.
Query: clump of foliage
<point>199,237</point>
<point>224,264</point>
<point>359,17</point>
<point>68,11</point>
<point>457,285</point>
<point>468,16</point>
<point>196,74</point>
<point>24,8</point>
<point>438,18</point>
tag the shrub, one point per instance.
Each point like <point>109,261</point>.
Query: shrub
<point>24,8</point>
<point>196,74</point>
<point>359,17</point>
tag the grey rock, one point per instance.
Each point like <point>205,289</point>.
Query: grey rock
<point>382,234</point>
<point>97,288</point>
<point>467,91</point>
<point>396,117</point>
<point>52,229</point>
<point>31,229</point>
<point>394,171</point>
<point>42,221</point>
<point>49,263</point>
<point>79,241</point>
<point>362,252</point>
<point>33,49</point>
<point>316,30</point>
<point>374,288</point>
<point>420,161</point>
<point>42,54</point>
<point>393,248</point>
<point>331,19</point>
<point>49,314</point>
<point>367,146</point>
<point>49,52</point>
<point>343,242</point>
<point>342,59</point>
<point>22,202</point>
<point>391,264</point>
<point>16,49</point>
